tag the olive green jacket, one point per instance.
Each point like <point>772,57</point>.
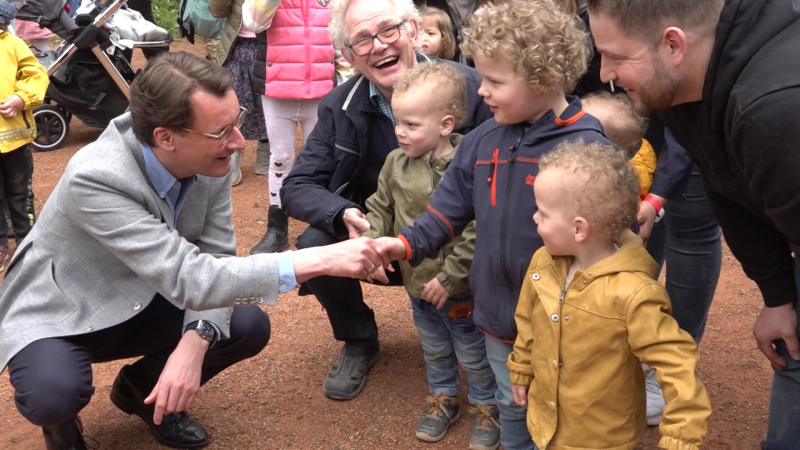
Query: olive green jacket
<point>232,10</point>
<point>405,187</point>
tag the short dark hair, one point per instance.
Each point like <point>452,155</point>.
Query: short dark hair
<point>160,95</point>
<point>646,19</point>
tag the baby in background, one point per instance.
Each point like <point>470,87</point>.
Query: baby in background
<point>625,128</point>
<point>436,33</point>
<point>429,103</point>
<point>589,310</point>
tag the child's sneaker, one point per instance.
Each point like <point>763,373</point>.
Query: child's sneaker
<point>443,412</point>
<point>486,430</point>
<point>655,399</point>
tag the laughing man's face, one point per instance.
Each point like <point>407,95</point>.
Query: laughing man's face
<point>385,64</point>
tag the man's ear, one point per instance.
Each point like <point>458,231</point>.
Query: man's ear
<point>580,229</point>
<point>447,125</point>
<point>413,32</point>
<point>164,138</point>
<point>675,45</point>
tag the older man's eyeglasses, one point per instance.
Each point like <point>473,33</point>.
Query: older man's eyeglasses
<point>388,35</point>
<point>225,135</point>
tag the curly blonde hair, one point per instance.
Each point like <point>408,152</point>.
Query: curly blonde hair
<point>548,46</point>
<point>448,85</point>
<point>621,123</point>
<point>602,185</point>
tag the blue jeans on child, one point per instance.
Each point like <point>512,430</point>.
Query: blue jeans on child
<point>783,428</point>
<point>514,434</point>
<point>447,335</point>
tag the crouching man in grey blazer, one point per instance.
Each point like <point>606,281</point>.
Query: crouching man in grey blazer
<point>134,254</point>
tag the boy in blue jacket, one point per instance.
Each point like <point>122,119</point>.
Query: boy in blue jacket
<point>529,54</point>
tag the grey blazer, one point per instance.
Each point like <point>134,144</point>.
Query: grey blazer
<point>105,243</point>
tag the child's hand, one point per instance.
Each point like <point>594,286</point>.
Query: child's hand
<point>11,106</point>
<point>520,394</point>
<point>434,293</point>
<point>355,221</point>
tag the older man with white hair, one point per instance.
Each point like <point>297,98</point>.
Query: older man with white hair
<point>338,168</point>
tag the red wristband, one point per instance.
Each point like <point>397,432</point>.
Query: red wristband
<point>653,201</point>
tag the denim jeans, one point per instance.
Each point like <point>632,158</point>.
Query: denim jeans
<point>449,335</point>
<point>514,434</point>
<point>689,239</point>
<point>783,428</point>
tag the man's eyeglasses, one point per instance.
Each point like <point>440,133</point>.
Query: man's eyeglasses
<point>225,135</point>
<point>388,35</point>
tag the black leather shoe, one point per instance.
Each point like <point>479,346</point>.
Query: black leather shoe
<point>80,444</point>
<point>177,430</point>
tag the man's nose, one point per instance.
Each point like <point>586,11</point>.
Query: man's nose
<point>606,72</point>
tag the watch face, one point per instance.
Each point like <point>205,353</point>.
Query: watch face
<point>205,330</point>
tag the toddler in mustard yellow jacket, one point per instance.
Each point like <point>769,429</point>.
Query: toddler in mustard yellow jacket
<point>589,309</point>
<point>23,82</point>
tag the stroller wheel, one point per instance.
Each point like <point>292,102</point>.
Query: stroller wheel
<point>52,127</point>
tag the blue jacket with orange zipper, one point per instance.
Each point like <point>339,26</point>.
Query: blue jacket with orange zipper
<point>491,180</point>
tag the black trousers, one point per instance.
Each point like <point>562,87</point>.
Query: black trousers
<point>351,319</point>
<point>52,378</point>
<point>16,174</point>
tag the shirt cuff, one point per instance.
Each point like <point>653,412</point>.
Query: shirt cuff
<point>286,278</point>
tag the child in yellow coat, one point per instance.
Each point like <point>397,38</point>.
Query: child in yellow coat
<point>589,309</point>
<point>23,82</point>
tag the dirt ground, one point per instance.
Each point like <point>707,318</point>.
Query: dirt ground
<point>275,401</point>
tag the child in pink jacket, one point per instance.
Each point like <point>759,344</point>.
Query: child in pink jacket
<point>299,71</point>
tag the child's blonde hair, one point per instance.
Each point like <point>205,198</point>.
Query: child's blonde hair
<point>547,45</point>
<point>447,84</point>
<point>621,123</point>
<point>445,26</point>
<point>602,185</point>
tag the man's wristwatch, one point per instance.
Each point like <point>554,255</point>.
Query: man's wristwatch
<point>206,331</point>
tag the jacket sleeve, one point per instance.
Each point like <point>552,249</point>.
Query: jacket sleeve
<point>673,169</point>
<point>219,240</point>
<point>257,14</point>
<point>656,339</point>
<point>380,205</point>
<point>304,193</point>
<point>220,9</point>
<point>454,276</point>
<point>449,212</point>
<point>519,360</point>
<point>32,80</point>
<point>763,142</point>
<point>198,276</point>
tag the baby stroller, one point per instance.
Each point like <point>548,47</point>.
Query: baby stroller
<point>91,75</point>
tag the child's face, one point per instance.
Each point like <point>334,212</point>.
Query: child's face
<point>554,219</point>
<point>431,37</point>
<point>419,122</point>
<point>508,95</point>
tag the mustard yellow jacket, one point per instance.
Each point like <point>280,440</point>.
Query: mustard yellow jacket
<point>29,81</point>
<point>405,187</point>
<point>644,164</point>
<point>580,355</point>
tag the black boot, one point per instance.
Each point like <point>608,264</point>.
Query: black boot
<point>277,237</point>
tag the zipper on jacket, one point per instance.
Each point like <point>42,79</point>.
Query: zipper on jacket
<point>512,157</point>
<point>563,285</point>
<point>493,177</point>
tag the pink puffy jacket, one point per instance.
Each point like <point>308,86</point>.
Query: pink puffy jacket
<point>299,51</point>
